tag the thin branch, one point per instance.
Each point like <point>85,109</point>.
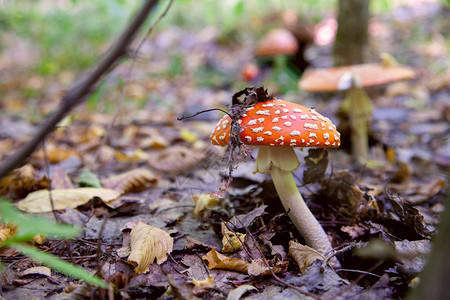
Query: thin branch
<point>82,88</point>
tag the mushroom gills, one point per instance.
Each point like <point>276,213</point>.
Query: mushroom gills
<point>283,158</point>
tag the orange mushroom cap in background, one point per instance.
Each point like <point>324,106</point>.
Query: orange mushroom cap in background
<point>279,123</point>
<point>328,79</point>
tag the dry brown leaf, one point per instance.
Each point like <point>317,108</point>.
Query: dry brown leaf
<point>148,243</point>
<point>176,159</point>
<point>259,268</point>
<point>6,230</point>
<point>303,255</point>
<point>231,241</point>
<point>56,155</point>
<point>202,202</point>
<point>44,271</point>
<point>204,283</point>
<point>39,201</point>
<point>131,157</point>
<point>220,261</point>
<point>131,182</point>
<point>22,180</point>
<point>60,179</point>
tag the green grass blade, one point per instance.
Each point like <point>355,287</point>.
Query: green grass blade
<point>60,265</point>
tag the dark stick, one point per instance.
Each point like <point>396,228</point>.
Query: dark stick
<point>85,86</point>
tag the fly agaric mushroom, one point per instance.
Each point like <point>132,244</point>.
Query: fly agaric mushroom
<point>357,104</point>
<point>276,42</point>
<point>277,126</point>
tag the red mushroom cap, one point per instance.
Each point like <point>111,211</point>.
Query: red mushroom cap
<point>279,123</point>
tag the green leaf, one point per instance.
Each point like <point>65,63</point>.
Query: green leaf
<point>60,265</point>
<point>88,179</point>
<point>31,226</point>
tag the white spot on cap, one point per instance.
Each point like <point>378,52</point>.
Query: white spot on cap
<point>336,137</point>
<point>281,138</point>
<point>314,118</point>
<point>326,135</point>
<point>276,128</point>
<point>218,128</point>
<point>311,141</point>
<point>285,110</point>
<point>225,122</point>
<point>293,117</point>
<point>263,112</point>
<point>277,112</point>
<point>312,135</point>
<point>267,132</point>
<point>282,143</point>
<point>330,128</point>
<point>244,115</point>
<point>259,139</point>
<point>248,138</point>
<point>298,110</point>
<point>288,124</point>
<point>251,122</point>
<point>222,137</point>
<point>304,117</point>
<point>261,120</point>
<point>295,132</point>
<point>239,121</point>
<point>323,124</point>
<point>310,126</point>
<point>284,117</point>
<point>268,105</point>
<point>272,144</point>
<point>327,143</point>
<point>215,139</point>
<point>249,108</point>
<point>293,142</point>
<point>317,143</point>
<point>275,120</point>
<point>281,104</point>
<point>259,129</point>
<point>303,140</point>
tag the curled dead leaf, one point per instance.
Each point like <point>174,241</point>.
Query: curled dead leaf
<point>6,230</point>
<point>303,255</point>
<point>131,156</point>
<point>44,271</point>
<point>22,180</point>
<point>131,182</point>
<point>39,201</point>
<point>176,159</point>
<point>56,155</point>
<point>219,261</point>
<point>148,243</point>
<point>202,202</point>
<point>231,241</point>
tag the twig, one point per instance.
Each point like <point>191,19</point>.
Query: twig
<point>342,248</point>
<point>80,89</point>
<point>122,92</point>
<point>358,271</point>
<point>278,279</point>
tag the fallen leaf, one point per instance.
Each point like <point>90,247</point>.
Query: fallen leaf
<point>259,268</point>
<point>303,255</point>
<point>177,159</point>
<point>55,155</point>
<point>245,220</point>
<point>237,293</point>
<point>60,179</point>
<point>88,179</point>
<point>202,202</point>
<point>131,182</point>
<point>39,201</point>
<point>6,230</point>
<point>219,261</point>
<point>148,243</point>
<point>231,241</point>
<point>131,156</point>
<point>316,164</point>
<point>412,254</point>
<point>22,180</point>
<point>200,286</point>
<point>44,271</point>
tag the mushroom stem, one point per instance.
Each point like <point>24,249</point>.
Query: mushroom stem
<point>301,216</point>
<point>359,108</point>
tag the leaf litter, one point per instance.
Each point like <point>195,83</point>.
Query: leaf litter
<point>161,165</point>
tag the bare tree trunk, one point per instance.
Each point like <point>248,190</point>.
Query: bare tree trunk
<point>351,45</point>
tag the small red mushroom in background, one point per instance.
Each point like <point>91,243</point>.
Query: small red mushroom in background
<point>277,126</point>
<point>250,72</point>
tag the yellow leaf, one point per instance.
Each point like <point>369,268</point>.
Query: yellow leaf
<point>303,255</point>
<point>132,157</point>
<point>148,243</point>
<point>132,181</point>
<point>208,282</point>
<point>188,135</point>
<point>6,230</point>
<point>231,241</point>
<point>220,261</point>
<point>44,271</point>
<point>39,201</point>
<point>203,201</point>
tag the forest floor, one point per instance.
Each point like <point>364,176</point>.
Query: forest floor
<point>393,203</point>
